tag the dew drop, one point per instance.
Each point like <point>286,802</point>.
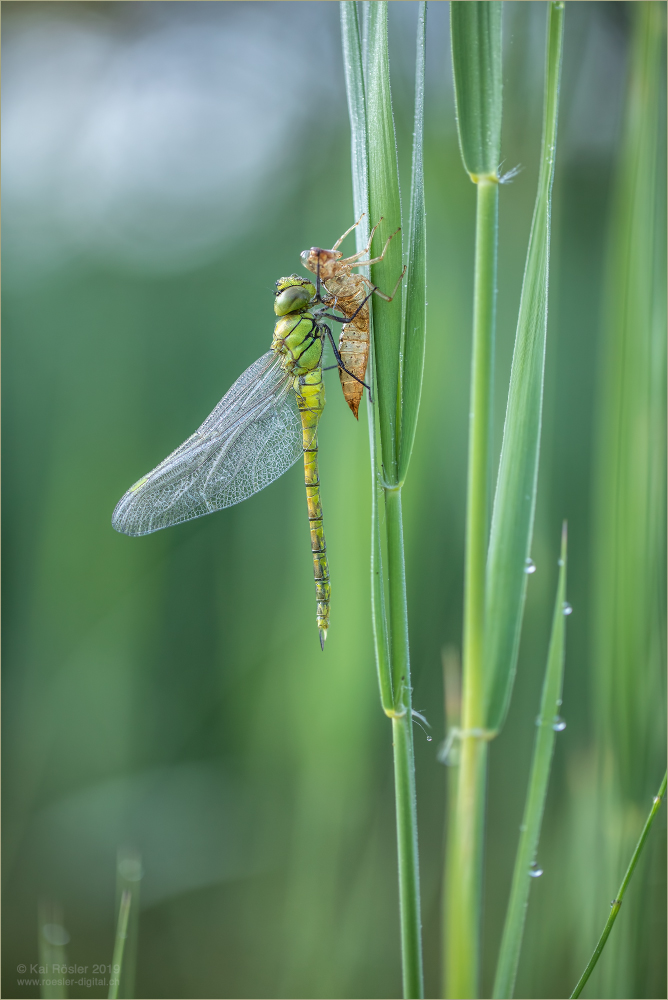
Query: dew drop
<point>130,869</point>
<point>560,562</point>
<point>559,724</point>
<point>535,871</point>
<point>55,934</point>
<point>568,610</point>
<point>429,739</point>
<point>530,566</point>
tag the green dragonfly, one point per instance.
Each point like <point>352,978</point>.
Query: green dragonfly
<point>259,429</point>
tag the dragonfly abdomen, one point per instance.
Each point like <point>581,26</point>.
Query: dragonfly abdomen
<point>310,391</point>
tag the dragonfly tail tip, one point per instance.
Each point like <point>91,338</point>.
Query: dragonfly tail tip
<point>323,636</point>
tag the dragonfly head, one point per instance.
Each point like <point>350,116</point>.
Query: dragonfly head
<point>293,294</point>
<point>323,260</point>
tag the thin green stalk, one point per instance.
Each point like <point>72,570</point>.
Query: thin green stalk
<point>464,882</point>
<point>618,900</point>
<point>404,765</point>
<point>409,875</point>
<point>476,56</point>
<point>119,944</point>
<point>51,940</point>
<point>449,756</point>
<point>376,173</point>
<point>480,448</point>
<point>464,879</point>
<point>549,724</point>
<point>129,873</point>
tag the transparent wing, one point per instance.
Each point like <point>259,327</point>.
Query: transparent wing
<point>251,438</point>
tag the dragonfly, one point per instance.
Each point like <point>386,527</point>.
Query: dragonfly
<point>260,428</point>
<point>350,294</point>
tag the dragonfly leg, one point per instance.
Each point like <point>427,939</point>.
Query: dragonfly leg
<point>341,364</point>
<point>375,260</point>
<point>374,288</point>
<point>351,260</point>
<point>342,238</point>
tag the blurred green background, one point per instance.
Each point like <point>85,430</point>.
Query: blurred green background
<point>163,164</point>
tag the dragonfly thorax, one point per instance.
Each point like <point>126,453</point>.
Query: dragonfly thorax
<point>298,338</point>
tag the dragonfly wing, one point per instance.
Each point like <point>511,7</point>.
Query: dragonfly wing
<point>251,438</point>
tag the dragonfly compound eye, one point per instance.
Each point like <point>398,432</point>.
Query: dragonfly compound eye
<point>293,298</point>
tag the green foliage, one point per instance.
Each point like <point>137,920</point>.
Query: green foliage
<point>630,455</point>
<point>475,30</point>
<point>166,691</point>
<point>629,474</point>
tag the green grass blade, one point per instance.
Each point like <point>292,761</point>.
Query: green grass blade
<point>475,33</point>
<point>129,873</point>
<point>619,898</point>
<point>548,724</point>
<point>119,944</point>
<point>415,321</point>
<point>52,938</point>
<point>384,200</point>
<point>354,75</point>
<point>515,499</point>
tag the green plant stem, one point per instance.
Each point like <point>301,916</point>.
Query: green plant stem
<point>404,765</point>
<point>119,944</point>
<point>409,883</point>
<point>462,919</point>
<point>480,445</point>
<point>617,902</point>
<point>464,883</point>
